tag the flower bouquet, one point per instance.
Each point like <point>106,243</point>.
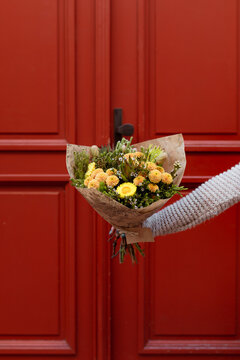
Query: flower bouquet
<point>127,184</point>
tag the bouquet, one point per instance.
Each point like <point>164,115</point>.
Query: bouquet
<point>127,184</point>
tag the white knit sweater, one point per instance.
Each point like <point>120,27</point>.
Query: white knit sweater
<point>208,200</point>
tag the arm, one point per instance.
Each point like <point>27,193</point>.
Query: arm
<point>208,200</point>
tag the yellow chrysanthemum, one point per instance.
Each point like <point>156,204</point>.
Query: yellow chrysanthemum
<point>138,180</point>
<point>153,187</point>
<point>133,156</point>
<point>167,178</point>
<point>138,154</point>
<point>93,184</point>
<point>101,176</point>
<point>111,171</point>
<point>126,156</point>
<point>151,166</point>
<point>112,180</point>
<point>86,181</point>
<point>126,189</point>
<point>160,168</point>
<point>155,176</point>
<point>95,172</point>
<point>91,168</point>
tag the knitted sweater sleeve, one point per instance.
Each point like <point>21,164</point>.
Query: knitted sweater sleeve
<point>208,200</point>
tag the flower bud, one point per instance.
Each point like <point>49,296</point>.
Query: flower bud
<point>161,157</point>
<point>123,148</point>
<point>94,150</point>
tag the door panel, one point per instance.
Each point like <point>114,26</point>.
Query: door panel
<point>38,206</point>
<point>175,69</point>
<point>196,66</point>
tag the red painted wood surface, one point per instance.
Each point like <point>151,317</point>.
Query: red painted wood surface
<point>48,296</point>
<point>175,69</point>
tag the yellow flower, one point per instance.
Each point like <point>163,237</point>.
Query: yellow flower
<point>126,189</point>
<point>90,169</point>
<point>93,184</point>
<point>138,180</point>
<point>126,156</point>
<point>111,171</point>
<point>151,165</point>
<point>167,178</point>
<point>155,176</point>
<point>101,176</point>
<point>86,181</point>
<point>95,172</point>
<point>112,180</point>
<point>153,187</point>
<point>133,156</point>
<point>160,168</point>
<point>138,154</point>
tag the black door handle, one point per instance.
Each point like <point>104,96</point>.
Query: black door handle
<point>119,128</point>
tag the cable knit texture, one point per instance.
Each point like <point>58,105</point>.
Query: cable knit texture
<point>208,200</point>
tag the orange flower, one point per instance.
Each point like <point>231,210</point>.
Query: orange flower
<point>151,165</point>
<point>126,156</point>
<point>86,181</point>
<point>160,168</point>
<point>155,176</point>
<point>101,176</point>
<point>138,180</point>
<point>137,154</point>
<point>111,171</point>
<point>153,187</point>
<point>112,180</point>
<point>167,178</point>
<point>95,172</point>
<point>93,184</point>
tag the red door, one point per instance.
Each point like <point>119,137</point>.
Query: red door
<point>48,295</point>
<point>174,68</point>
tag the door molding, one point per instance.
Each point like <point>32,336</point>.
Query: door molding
<point>101,319</point>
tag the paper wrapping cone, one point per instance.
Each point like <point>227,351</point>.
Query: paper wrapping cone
<point>121,217</point>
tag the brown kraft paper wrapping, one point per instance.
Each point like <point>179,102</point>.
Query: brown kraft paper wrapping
<point>121,217</point>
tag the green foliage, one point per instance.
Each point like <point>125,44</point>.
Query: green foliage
<point>77,182</point>
<point>153,152</point>
<point>112,158</point>
<point>81,160</point>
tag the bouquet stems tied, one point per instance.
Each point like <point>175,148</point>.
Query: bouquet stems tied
<point>121,248</point>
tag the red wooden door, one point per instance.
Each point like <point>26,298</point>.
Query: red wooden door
<point>49,290</point>
<point>175,68</point>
